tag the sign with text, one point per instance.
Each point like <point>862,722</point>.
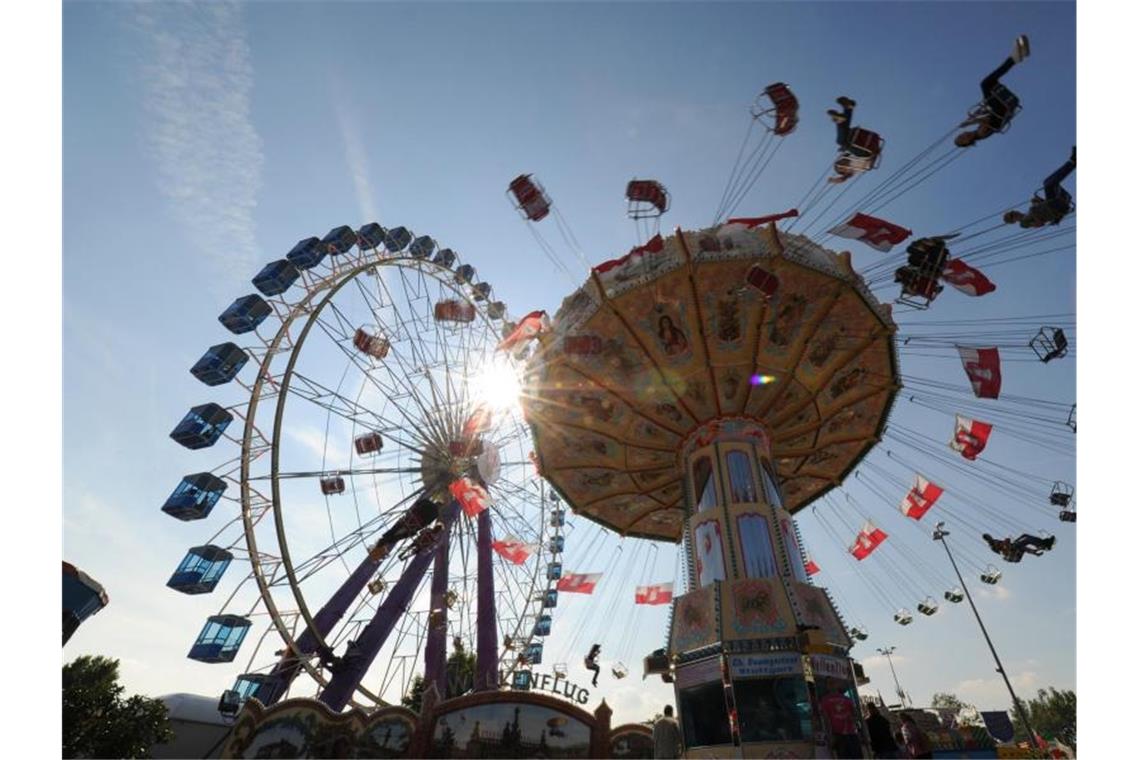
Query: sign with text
<point>764,665</point>
<point>830,667</point>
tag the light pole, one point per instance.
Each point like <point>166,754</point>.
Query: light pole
<point>898,689</point>
<point>940,534</point>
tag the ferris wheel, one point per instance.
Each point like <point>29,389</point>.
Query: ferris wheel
<point>386,500</point>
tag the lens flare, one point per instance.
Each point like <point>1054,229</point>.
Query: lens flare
<point>762,379</point>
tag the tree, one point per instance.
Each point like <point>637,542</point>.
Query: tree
<point>99,722</point>
<point>460,678</point>
<point>1053,714</point>
<point>946,701</point>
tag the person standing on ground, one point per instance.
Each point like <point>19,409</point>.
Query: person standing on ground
<point>917,743</point>
<point>667,735</point>
<point>840,713</point>
<point>882,742</point>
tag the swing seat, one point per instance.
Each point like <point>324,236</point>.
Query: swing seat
<point>560,670</point>
<point>903,617</point>
<point>954,595</point>
<point>1050,343</point>
<point>619,670</point>
<point>782,115</point>
<point>1007,107</point>
<point>991,576</point>
<point>928,606</point>
<point>864,150</point>
<point>1068,515</point>
<point>858,633</point>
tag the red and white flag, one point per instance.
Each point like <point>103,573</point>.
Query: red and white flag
<point>965,278</point>
<point>472,497</point>
<point>867,540</point>
<point>811,567</point>
<point>877,233</point>
<point>578,583</point>
<point>920,498</point>
<point>514,550</point>
<point>983,367</point>
<point>661,593</point>
<point>970,436</point>
<point>739,226</point>
<point>641,260</point>
<point>525,331</point>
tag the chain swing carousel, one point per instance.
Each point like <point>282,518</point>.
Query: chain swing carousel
<point>703,389</point>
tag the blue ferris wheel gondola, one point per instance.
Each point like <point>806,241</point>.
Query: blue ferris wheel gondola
<point>339,239</point>
<point>308,253</point>
<point>245,314</point>
<point>195,496</point>
<point>276,277</point>
<point>201,569</point>
<point>542,626</point>
<point>220,639</point>
<point>263,687</point>
<point>397,239</point>
<point>465,274</point>
<point>220,364</point>
<point>422,247</point>
<point>557,544</point>
<point>202,426</point>
<point>554,571</point>
<point>534,653</point>
<point>445,257</point>
<point>370,236</point>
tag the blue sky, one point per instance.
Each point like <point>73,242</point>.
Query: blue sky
<point>201,142</point>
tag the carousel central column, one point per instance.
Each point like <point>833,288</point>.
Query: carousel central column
<point>752,639</point>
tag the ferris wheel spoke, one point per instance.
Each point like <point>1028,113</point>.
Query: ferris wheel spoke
<point>411,425</point>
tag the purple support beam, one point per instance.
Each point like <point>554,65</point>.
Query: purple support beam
<point>324,621</point>
<point>487,638</point>
<point>435,652</point>
<point>359,656</point>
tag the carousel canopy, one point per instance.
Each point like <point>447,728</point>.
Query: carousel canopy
<point>732,322</point>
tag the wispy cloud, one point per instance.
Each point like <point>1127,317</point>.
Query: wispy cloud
<point>355,155</point>
<point>197,79</point>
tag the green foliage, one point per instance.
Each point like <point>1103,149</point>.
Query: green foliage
<point>1053,714</point>
<point>460,678</point>
<point>99,722</point>
<point>947,701</point>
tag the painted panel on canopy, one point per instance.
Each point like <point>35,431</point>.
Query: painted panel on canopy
<point>860,419</point>
<point>666,523</point>
<point>804,443</point>
<point>669,495</point>
<point>848,325</point>
<point>803,297</point>
<point>593,483</point>
<point>649,480</point>
<point>639,458</point>
<point>567,397</point>
<point>695,621</point>
<point>794,418</point>
<point>695,391</point>
<point>830,461</point>
<point>813,607</point>
<point>777,398</point>
<point>731,309</point>
<point>732,384</point>
<point>800,490</point>
<point>614,356</point>
<point>577,448</point>
<point>870,369</point>
<point>666,320</point>
<point>756,607</point>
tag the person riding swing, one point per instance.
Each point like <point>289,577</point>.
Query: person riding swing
<point>1056,204</point>
<point>999,104</point>
<point>1012,550</point>
<point>592,662</point>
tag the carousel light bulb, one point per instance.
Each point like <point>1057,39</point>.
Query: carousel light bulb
<point>497,385</point>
